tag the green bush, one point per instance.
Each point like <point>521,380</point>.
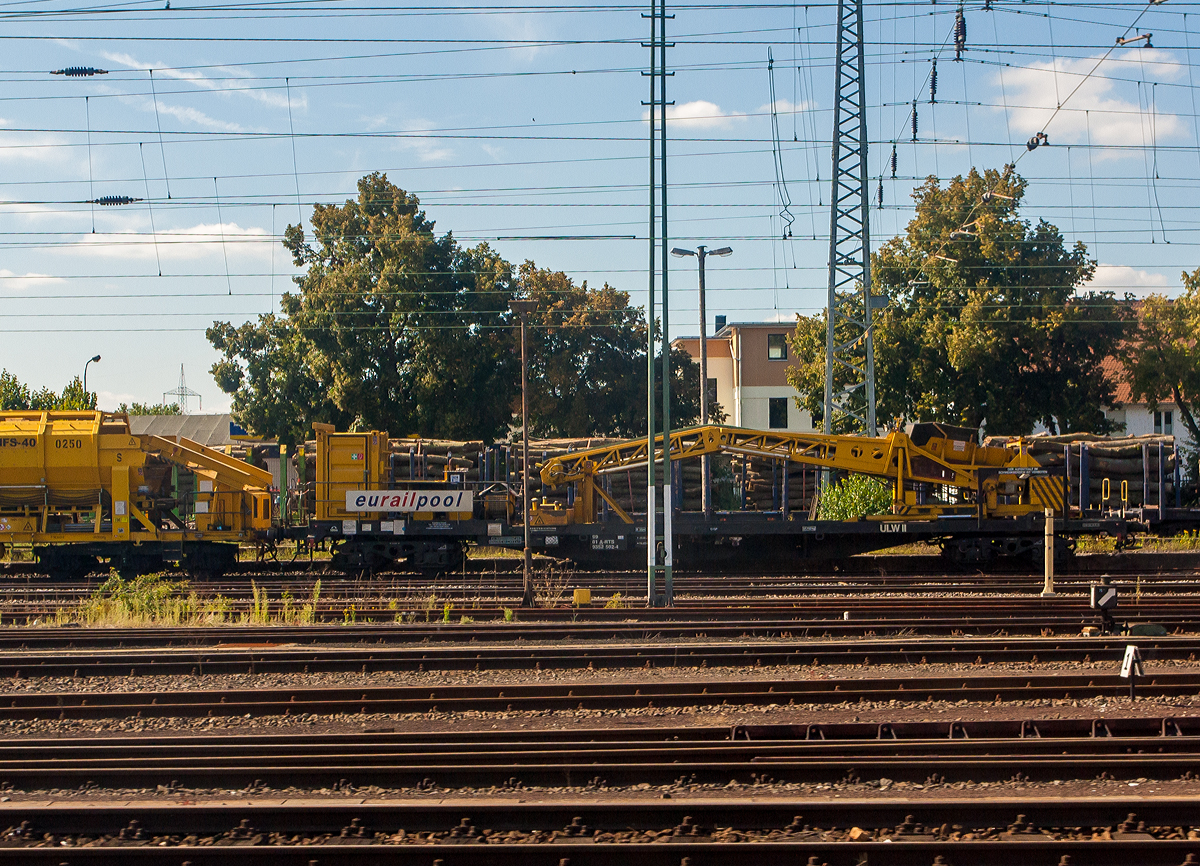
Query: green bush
<point>853,497</point>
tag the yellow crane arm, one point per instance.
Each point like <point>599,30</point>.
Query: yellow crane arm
<point>932,453</point>
<point>938,462</point>
<point>229,472</point>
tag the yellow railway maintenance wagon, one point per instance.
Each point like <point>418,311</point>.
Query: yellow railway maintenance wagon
<point>81,489</point>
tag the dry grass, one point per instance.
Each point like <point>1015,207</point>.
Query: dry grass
<point>550,582</point>
<point>1184,542</point>
<point>153,600</point>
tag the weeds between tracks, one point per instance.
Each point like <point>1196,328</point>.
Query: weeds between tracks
<point>154,600</point>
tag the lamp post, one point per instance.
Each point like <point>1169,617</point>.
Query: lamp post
<point>701,252</point>
<point>94,359</point>
<point>523,307</point>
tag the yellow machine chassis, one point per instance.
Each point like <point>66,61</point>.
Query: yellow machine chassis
<point>990,482</point>
<point>65,464</point>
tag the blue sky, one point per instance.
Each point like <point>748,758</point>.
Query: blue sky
<point>516,125</point>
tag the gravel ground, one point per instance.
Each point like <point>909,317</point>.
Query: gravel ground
<point>875,788</point>
<point>534,720</point>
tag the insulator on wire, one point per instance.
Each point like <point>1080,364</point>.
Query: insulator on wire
<point>960,33</point>
<point>914,120</point>
<point>893,160</point>
<point>933,83</point>
<point>879,194</point>
<point>79,71</point>
<point>114,200</point>
<point>987,5</point>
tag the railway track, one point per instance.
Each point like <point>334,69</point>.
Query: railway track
<point>921,752</point>
<point>847,617</point>
<point>708,832</point>
<point>595,695</point>
<point>825,619</point>
<point>865,570</point>
<point>239,658</point>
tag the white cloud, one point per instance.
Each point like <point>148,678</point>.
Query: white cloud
<point>789,318</point>
<point>1102,102</point>
<point>784,106</point>
<point>184,244</point>
<point>1122,278</point>
<point>427,148</point>
<point>12,282</point>
<point>522,27</point>
<point>702,114</point>
<point>699,114</point>
<point>34,147</point>
<point>194,116</point>
<point>240,83</point>
<point>108,401</point>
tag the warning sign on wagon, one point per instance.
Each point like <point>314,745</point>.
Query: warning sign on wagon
<point>409,501</point>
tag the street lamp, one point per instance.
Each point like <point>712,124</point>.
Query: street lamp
<point>701,254</point>
<point>94,359</point>
<point>523,307</point>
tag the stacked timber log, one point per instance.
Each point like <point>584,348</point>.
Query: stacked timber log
<point>760,479</point>
<point>1132,461</point>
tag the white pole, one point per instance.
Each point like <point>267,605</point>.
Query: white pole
<point>1048,587</point>
<point>651,530</point>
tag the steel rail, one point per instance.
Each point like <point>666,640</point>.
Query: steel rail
<point>697,832</point>
<point>582,695</point>
<point>239,659</point>
<point>862,566</point>
<point>1161,748</point>
<point>632,624</point>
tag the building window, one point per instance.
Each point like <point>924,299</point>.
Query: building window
<point>712,392</point>
<point>1164,424</point>
<point>777,413</point>
<point>776,347</point>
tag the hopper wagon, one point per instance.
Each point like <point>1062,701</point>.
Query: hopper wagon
<point>82,490</point>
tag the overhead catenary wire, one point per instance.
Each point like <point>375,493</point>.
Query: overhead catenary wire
<point>162,147</point>
<point>91,184</point>
<point>150,208</point>
<point>221,226</point>
<point>1099,209</point>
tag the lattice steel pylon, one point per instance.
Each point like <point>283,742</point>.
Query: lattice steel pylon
<point>182,393</point>
<point>849,352</point>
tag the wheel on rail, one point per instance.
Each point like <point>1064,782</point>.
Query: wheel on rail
<point>369,555</point>
<point>133,562</point>
<point>64,563</point>
<point>209,560</point>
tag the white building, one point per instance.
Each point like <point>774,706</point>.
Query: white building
<point>747,367</point>
<point>1138,418</point>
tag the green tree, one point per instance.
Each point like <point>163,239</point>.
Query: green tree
<point>14,394</point>
<point>1162,360</point>
<point>17,396</point>
<point>985,322</point>
<point>393,327</point>
<point>74,397</point>
<point>587,361</point>
<point>854,497</point>
<point>136,408</point>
